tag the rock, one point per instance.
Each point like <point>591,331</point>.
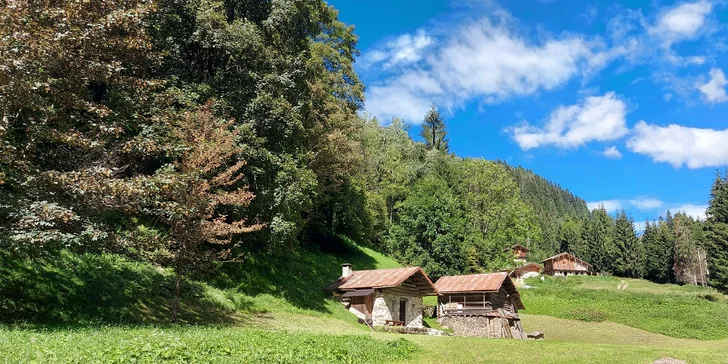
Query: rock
<point>669,360</point>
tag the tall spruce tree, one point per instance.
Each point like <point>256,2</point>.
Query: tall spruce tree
<point>434,131</point>
<point>658,251</point>
<point>602,242</point>
<point>717,233</point>
<point>630,254</point>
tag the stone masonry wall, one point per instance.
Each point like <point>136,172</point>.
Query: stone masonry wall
<point>478,326</point>
<point>386,307</point>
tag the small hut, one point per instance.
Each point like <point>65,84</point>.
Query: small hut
<point>519,253</point>
<point>384,296</point>
<point>566,264</point>
<point>526,271</point>
<point>480,305</point>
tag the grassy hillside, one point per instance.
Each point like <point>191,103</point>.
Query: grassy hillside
<point>672,310</point>
<point>276,312</point>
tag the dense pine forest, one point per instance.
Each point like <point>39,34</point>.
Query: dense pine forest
<point>186,134</point>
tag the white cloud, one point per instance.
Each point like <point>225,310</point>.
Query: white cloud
<point>678,145</point>
<point>609,205</point>
<point>695,211</point>
<point>646,203</point>
<point>639,226</point>
<point>404,49</point>
<point>596,118</point>
<point>612,152</point>
<point>684,21</point>
<point>461,65</point>
<point>714,90</point>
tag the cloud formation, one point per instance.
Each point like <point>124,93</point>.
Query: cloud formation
<point>680,145</point>
<point>460,66</point>
<point>681,22</point>
<point>612,152</point>
<point>714,90</point>
<point>596,118</point>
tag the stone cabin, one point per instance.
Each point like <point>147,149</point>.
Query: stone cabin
<point>480,305</point>
<point>384,296</point>
<point>566,264</point>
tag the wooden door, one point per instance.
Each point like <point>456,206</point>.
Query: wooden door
<point>403,310</point>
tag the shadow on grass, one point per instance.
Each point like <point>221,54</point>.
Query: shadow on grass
<point>299,278</point>
<point>91,289</point>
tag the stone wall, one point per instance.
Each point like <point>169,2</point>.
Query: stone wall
<point>482,326</point>
<point>386,307</point>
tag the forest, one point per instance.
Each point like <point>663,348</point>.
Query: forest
<point>188,134</point>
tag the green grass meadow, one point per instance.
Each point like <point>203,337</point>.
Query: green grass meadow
<point>89,308</point>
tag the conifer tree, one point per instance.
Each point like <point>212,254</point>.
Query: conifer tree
<point>717,233</point>
<point>657,240</point>
<point>602,243</point>
<point>434,131</point>
<point>630,254</point>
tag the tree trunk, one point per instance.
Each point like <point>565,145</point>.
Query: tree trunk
<point>175,303</point>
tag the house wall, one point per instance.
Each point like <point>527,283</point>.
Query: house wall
<point>386,307</point>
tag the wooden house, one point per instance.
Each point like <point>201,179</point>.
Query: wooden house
<point>519,253</point>
<point>565,264</point>
<point>480,305</point>
<point>384,296</point>
<point>525,271</point>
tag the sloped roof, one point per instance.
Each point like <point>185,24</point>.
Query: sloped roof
<point>382,278</point>
<point>471,283</point>
<point>565,254</point>
<point>491,282</point>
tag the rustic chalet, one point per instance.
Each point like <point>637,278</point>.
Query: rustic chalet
<point>566,264</point>
<point>480,305</point>
<point>526,271</point>
<point>384,296</point>
<point>519,253</point>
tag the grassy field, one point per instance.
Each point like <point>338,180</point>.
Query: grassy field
<point>677,311</point>
<point>103,308</point>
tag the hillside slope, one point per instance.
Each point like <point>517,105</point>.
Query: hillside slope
<point>279,313</point>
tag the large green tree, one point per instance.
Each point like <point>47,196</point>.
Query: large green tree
<point>717,233</point>
<point>629,254</point>
<point>430,229</point>
<point>434,131</point>
<point>658,243</point>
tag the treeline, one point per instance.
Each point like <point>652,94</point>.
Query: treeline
<point>670,250</point>
<point>175,132</point>
<point>430,208</point>
<point>552,205</point>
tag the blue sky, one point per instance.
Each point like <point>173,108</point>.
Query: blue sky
<point>623,103</point>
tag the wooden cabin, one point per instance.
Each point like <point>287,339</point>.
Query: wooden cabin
<point>384,296</point>
<point>566,264</point>
<point>480,305</point>
<point>526,271</point>
<point>519,253</point>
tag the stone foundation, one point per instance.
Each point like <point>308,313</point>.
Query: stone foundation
<point>484,326</point>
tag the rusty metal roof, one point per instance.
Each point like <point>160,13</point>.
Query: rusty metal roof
<point>471,283</point>
<point>566,254</point>
<point>379,278</point>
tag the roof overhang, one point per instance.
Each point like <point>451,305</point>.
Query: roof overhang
<point>358,293</point>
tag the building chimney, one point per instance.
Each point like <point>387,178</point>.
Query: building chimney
<point>346,270</point>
